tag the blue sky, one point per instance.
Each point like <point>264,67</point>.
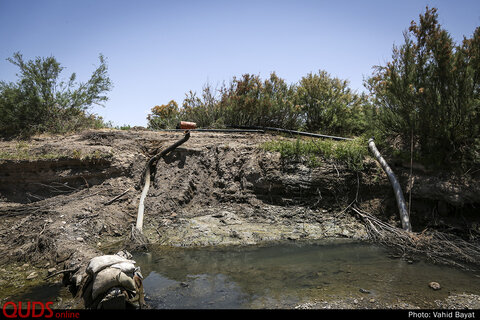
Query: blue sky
<point>159,50</point>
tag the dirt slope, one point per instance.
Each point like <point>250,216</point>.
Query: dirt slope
<point>215,189</point>
<point>59,205</point>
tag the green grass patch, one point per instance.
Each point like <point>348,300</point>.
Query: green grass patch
<point>125,127</point>
<point>22,152</point>
<point>351,153</point>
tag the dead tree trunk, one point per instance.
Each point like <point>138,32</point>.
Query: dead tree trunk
<point>402,207</point>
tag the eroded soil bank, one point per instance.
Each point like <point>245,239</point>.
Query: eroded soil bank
<point>60,201</point>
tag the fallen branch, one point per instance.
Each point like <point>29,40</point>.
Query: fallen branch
<point>436,246</point>
<point>117,197</point>
<point>43,206</point>
<point>72,270</point>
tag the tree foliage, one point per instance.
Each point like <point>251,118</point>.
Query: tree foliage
<point>40,102</point>
<point>205,110</point>
<point>329,105</point>
<point>429,93</point>
<point>249,101</point>
<point>317,103</point>
<point>164,116</point>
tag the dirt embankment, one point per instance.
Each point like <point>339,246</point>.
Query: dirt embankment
<point>59,199</point>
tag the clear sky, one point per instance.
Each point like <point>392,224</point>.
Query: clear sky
<point>159,50</point>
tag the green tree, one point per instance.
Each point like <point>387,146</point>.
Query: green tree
<point>318,102</point>
<point>249,101</point>
<point>165,116</point>
<point>40,102</point>
<point>278,106</point>
<point>429,93</point>
<point>240,101</point>
<point>329,105</point>
<point>205,110</point>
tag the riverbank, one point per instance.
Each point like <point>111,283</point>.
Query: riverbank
<point>65,199</point>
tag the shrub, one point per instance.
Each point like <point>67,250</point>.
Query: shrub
<point>317,103</point>
<point>350,153</point>
<point>39,102</point>
<point>249,101</point>
<point>429,94</point>
<point>204,111</point>
<point>330,106</point>
<point>165,116</point>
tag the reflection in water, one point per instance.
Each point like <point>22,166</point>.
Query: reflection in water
<point>287,274</point>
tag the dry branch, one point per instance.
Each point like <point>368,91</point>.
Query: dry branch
<point>43,206</point>
<point>117,197</point>
<point>73,270</point>
<point>437,246</point>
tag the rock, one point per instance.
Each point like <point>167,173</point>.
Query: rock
<point>51,271</point>
<point>372,300</point>
<point>434,285</point>
<point>32,275</point>
<point>363,290</point>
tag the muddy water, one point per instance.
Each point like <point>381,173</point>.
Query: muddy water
<point>285,275</point>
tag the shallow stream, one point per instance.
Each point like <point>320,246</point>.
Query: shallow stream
<point>286,275</point>
<point>337,274</point>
